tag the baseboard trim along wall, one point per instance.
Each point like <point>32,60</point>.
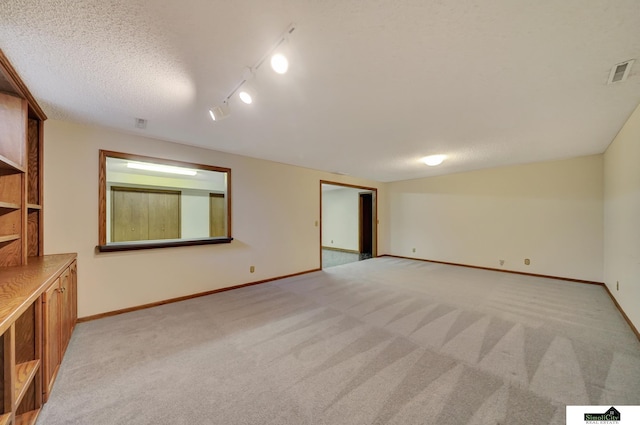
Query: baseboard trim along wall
<point>188,297</point>
<point>624,315</point>
<point>590,282</point>
<point>350,251</point>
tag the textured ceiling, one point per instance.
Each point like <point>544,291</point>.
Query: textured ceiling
<point>373,85</point>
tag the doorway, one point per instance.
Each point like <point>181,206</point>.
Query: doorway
<point>365,219</point>
<point>348,223</point>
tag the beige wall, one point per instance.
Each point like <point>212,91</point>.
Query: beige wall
<point>576,218</point>
<point>551,213</point>
<point>275,208</point>
<point>340,218</point>
<point>622,217</point>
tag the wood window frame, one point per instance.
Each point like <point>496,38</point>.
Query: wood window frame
<point>103,246</point>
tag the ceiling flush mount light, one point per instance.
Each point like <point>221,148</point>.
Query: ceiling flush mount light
<point>279,63</point>
<point>433,160</point>
<point>161,168</point>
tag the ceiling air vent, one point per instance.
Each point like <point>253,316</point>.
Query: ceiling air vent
<point>141,123</point>
<point>620,72</point>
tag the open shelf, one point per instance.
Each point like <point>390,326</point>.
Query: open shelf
<point>7,164</point>
<point>24,375</point>
<point>9,206</point>
<point>28,418</point>
<point>8,238</point>
<point>25,273</point>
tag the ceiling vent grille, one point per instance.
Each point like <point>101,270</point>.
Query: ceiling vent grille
<point>141,123</point>
<point>620,72</point>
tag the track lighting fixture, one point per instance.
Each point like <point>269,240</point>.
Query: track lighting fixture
<point>246,93</point>
<point>219,112</point>
<point>245,96</point>
<point>279,63</point>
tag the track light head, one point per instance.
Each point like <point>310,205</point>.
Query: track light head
<point>245,97</point>
<point>220,112</point>
<point>243,90</point>
<point>279,63</point>
<point>246,92</point>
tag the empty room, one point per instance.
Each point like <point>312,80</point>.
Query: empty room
<point>319,212</point>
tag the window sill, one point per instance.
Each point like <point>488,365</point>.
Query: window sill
<point>137,245</point>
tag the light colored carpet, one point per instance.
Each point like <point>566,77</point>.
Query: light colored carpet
<point>383,341</point>
<point>332,258</point>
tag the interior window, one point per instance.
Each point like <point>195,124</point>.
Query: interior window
<point>151,203</point>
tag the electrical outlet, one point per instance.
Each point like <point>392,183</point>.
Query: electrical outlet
<point>331,240</point>
<point>617,285</point>
<point>414,250</point>
<point>502,262</point>
<point>316,223</point>
<point>527,261</point>
<point>252,269</point>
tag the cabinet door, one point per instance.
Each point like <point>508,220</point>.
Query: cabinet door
<point>74,300</point>
<point>68,311</point>
<point>130,217</point>
<point>164,215</point>
<point>52,352</point>
<point>217,215</point>
<point>65,306</point>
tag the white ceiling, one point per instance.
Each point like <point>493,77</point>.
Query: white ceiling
<point>373,85</point>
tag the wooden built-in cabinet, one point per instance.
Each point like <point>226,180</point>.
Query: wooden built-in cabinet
<point>52,332</point>
<point>13,130</point>
<point>60,316</point>
<point>35,218</point>
<point>36,323</point>
<point>38,306</point>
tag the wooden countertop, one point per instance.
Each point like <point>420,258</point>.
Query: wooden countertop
<point>20,286</point>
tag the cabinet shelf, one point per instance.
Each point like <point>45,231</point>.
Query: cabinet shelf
<point>28,418</point>
<point>24,376</point>
<point>25,273</point>
<point>7,164</point>
<point>9,206</point>
<point>9,238</point>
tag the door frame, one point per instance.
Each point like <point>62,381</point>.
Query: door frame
<point>375,220</point>
<point>361,227</point>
